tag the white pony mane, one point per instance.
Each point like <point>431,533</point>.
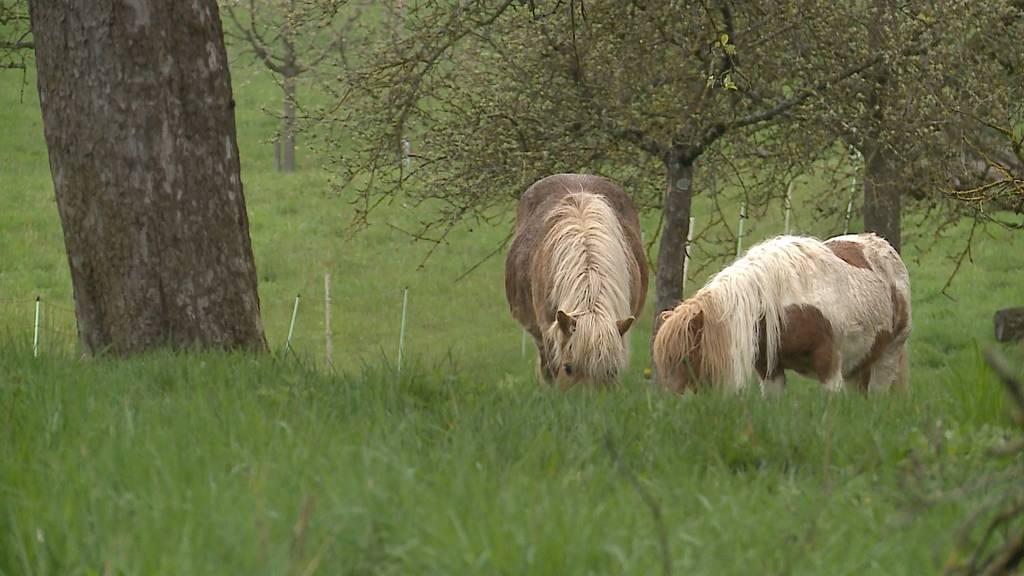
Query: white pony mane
<point>585,252</point>
<point>752,288</point>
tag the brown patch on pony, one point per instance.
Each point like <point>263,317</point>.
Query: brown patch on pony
<point>850,252</point>
<point>806,345</point>
<point>900,318</point>
<point>862,373</point>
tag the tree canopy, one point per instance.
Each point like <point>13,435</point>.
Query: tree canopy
<point>667,96</point>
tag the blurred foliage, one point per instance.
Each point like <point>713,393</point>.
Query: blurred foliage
<point>15,37</point>
<point>491,95</point>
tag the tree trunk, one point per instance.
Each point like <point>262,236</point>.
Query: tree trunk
<point>288,138</point>
<point>1009,324</point>
<point>881,189</point>
<point>668,287</point>
<point>881,196</point>
<point>139,121</point>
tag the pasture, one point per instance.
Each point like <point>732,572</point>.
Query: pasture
<point>210,463</point>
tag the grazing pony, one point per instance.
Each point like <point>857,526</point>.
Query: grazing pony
<point>837,310</point>
<point>576,276</point>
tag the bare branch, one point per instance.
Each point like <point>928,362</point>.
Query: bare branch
<point>256,44</point>
<point>717,130</point>
<point>17,45</point>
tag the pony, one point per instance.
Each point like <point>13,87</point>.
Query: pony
<point>576,276</point>
<point>837,310</point>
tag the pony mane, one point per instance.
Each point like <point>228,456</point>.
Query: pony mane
<point>585,250</point>
<point>750,290</point>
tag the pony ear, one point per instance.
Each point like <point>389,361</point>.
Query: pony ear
<point>624,325</point>
<point>565,322</point>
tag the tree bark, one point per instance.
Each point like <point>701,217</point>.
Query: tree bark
<point>882,202</point>
<point>881,189</point>
<point>139,121</point>
<point>1009,324</point>
<point>668,287</point>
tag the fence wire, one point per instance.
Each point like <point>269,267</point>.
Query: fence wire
<point>55,333</point>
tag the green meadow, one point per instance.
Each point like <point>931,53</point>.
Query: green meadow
<point>177,463</point>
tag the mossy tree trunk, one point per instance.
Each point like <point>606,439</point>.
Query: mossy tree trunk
<point>139,121</point>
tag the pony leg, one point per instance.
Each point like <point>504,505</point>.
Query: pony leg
<point>774,384</point>
<point>828,364</point>
<point>903,371</point>
<point>543,372</point>
<point>835,382</point>
<point>890,371</point>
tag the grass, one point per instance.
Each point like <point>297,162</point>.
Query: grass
<point>206,463</point>
<point>180,464</point>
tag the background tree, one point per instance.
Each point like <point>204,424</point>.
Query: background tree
<point>291,38</point>
<point>916,121</point>
<point>982,98</point>
<point>499,93</point>
<point>139,122</point>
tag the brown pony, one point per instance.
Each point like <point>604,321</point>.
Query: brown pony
<point>576,277</point>
<point>837,310</point>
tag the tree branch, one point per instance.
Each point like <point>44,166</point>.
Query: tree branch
<point>17,45</point>
<point>717,130</point>
<point>431,59</point>
<point>254,39</point>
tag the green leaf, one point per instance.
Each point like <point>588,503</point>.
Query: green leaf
<point>728,83</point>
<point>711,81</point>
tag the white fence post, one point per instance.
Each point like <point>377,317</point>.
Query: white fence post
<point>849,209</point>
<point>849,205</point>
<point>401,331</point>
<point>328,340</point>
<point>686,253</point>
<point>291,327</point>
<point>406,153</point>
<point>853,191</point>
<point>35,337</point>
<point>789,203</point>
<point>739,236</point>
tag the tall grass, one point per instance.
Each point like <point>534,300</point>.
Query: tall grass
<point>233,464</point>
